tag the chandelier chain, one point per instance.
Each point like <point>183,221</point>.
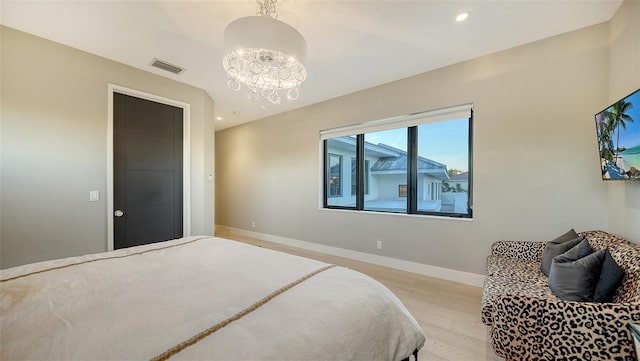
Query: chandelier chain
<point>267,8</point>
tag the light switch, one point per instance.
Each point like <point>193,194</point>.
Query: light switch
<point>210,177</point>
<point>94,196</point>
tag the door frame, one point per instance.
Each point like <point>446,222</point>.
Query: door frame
<point>186,155</point>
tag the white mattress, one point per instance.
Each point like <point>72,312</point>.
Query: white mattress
<point>140,302</point>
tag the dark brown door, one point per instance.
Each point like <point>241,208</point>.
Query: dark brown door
<point>147,143</point>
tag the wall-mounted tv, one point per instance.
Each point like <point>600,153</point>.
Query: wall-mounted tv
<point>618,130</point>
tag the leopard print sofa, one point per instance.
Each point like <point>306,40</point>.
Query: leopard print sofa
<point>528,322</point>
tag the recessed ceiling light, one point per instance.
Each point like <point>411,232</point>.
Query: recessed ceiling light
<point>462,17</point>
<point>218,118</point>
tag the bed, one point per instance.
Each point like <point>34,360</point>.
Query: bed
<point>199,298</point>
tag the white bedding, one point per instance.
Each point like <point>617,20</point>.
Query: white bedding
<point>140,302</point>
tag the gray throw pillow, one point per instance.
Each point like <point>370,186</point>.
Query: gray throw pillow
<point>578,251</point>
<point>610,279</point>
<point>570,235</point>
<point>576,280</point>
<point>552,250</point>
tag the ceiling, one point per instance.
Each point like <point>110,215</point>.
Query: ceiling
<point>352,45</point>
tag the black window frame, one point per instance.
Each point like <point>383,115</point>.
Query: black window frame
<point>354,187</point>
<point>328,165</point>
<point>412,176</point>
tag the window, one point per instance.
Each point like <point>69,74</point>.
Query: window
<point>336,188</point>
<point>414,164</point>
<point>389,149</point>
<point>335,175</point>
<point>447,142</point>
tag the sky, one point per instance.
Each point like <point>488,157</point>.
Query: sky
<point>444,142</point>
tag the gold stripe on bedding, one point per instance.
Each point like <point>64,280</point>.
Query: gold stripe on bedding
<point>174,350</point>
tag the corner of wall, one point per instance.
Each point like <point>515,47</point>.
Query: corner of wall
<point>624,78</point>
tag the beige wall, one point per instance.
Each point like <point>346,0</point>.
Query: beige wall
<point>624,78</point>
<point>535,156</point>
<point>54,147</point>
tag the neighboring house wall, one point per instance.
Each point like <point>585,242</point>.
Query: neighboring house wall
<point>430,188</point>
<point>531,103</point>
<point>54,151</point>
<point>624,78</point>
<point>387,185</point>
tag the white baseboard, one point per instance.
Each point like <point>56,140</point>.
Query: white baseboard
<point>468,278</point>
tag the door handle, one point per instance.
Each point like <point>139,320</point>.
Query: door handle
<point>118,213</point>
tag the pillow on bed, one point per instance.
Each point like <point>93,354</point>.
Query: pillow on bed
<point>552,249</point>
<point>576,280</point>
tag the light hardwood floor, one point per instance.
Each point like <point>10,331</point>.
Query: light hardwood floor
<point>448,312</point>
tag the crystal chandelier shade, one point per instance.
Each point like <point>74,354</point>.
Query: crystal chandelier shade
<point>266,55</point>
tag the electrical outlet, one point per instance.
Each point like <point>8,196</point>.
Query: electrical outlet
<point>379,244</point>
<point>253,224</point>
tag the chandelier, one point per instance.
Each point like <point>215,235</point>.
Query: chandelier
<point>265,55</point>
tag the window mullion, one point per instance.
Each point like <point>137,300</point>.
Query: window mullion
<point>470,159</point>
<point>360,172</point>
<point>325,170</point>
<point>412,171</point>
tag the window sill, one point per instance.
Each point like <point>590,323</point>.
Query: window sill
<point>445,218</point>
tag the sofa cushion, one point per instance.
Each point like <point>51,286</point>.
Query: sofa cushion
<point>518,270</point>
<point>627,256</point>
<point>552,250</point>
<point>610,279</point>
<point>496,286</point>
<point>575,278</point>
<point>629,291</point>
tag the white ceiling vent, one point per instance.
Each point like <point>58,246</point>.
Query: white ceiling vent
<point>161,64</point>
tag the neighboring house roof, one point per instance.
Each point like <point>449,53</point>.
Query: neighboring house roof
<point>349,144</point>
<point>462,177</point>
<point>393,160</point>
<point>398,164</point>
